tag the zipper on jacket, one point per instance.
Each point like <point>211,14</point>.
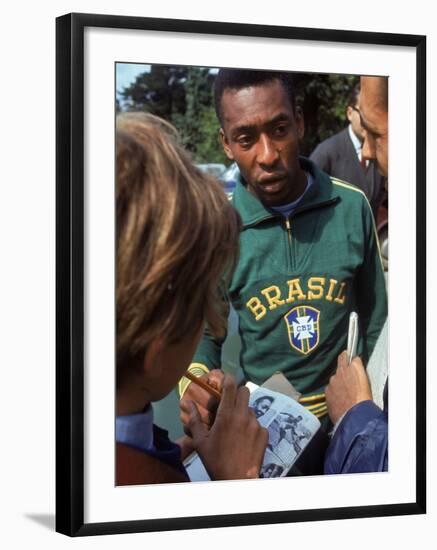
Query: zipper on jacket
<point>290,255</point>
<point>288,226</point>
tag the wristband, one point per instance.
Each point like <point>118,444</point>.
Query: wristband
<point>198,369</point>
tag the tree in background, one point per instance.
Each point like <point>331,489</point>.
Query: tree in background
<point>323,99</point>
<point>160,91</point>
<point>183,96</point>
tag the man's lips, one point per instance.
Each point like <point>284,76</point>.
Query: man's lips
<point>271,179</point>
<point>272,183</point>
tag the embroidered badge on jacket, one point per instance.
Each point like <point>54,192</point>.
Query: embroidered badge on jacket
<point>303,328</point>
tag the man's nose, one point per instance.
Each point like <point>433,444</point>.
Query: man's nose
<point>268,152</point>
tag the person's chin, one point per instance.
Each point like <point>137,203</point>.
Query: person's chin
<point>161,393</point>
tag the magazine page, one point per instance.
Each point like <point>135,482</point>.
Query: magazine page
<point>291,427</point>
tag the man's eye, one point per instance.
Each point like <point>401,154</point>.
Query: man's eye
<point>281,130</point>
<point>244,140</point>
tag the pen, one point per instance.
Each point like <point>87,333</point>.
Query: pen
<point>352,337</point>
<point>207,387</point>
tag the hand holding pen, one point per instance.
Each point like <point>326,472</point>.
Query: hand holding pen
<point>205,391</point>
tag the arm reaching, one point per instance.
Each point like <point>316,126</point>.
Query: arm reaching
<point>360,441</point>
<point>234,446</point>
<point>360,444</point>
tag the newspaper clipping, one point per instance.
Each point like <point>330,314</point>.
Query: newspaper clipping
<point>290,426</point>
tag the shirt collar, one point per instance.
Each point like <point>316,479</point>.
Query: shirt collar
<point>287,209</point>
<point>355,141</point>
<point>136,430</point>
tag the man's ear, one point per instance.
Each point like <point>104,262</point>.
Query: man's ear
<point>349,112</point>
<point>225,144</point>
<point>300,123</point>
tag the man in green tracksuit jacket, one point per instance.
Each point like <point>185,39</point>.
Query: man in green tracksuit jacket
<point>297,280</point>
<point>308,247</point>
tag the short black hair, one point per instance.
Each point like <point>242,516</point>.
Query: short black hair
<point>237,79</point>
<point>352,99</point>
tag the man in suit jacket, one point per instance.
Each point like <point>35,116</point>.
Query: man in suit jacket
<point>340,156</point>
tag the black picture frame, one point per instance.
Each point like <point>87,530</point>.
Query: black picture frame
<point>70,272</point>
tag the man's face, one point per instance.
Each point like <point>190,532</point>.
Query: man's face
<point>374,120</point>
<point>261,133</point>
<point>262,407</point>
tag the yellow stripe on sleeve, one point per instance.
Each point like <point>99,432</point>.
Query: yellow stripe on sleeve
<point>198,369</point>
<point>346,185</point>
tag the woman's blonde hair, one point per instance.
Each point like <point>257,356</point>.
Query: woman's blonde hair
<point>177,237</point>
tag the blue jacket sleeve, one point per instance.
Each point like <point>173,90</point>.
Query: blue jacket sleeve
<point>360,443</point>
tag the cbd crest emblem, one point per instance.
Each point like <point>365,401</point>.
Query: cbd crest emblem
<point>303,328</point>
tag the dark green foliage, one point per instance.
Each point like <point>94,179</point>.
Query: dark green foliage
<point>198,126</point>
<point>323,99</point>
<point>183,96</point>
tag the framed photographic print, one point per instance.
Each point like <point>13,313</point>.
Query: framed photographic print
<point>109,66</point>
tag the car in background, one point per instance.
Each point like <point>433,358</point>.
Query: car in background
<point>213,168</point>
<point>230,177</point>
<point>227,176</point>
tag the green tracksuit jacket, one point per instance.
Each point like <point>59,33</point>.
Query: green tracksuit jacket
<point>297,280</point>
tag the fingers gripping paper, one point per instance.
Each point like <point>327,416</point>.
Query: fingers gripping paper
<point>291,427</point>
